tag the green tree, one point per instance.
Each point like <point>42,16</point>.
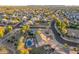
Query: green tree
<point>2,30</point>
<point>25,28</point>
<point>58,22</point>
<point>66,45</point>
<point>9,28</point>
<point>63,28</point>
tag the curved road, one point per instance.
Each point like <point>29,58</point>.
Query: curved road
<point>59,39</point>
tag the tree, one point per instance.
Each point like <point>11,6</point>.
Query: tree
<point>18,19</point>
<point>15,20</point>
<point>78,47</point>
<point>63,28</point>
<point>9,28</point>
<point>54,17</point>
<point>58,22</point>
<point>21,46</point>
<point>3,50</point>
<point>6,17</point>
<point>66,21</point>
<point>2,32</point>
<point>25,28</point>
<point>65,45</point>
<point>24,51</point>
<point>75,49</point>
